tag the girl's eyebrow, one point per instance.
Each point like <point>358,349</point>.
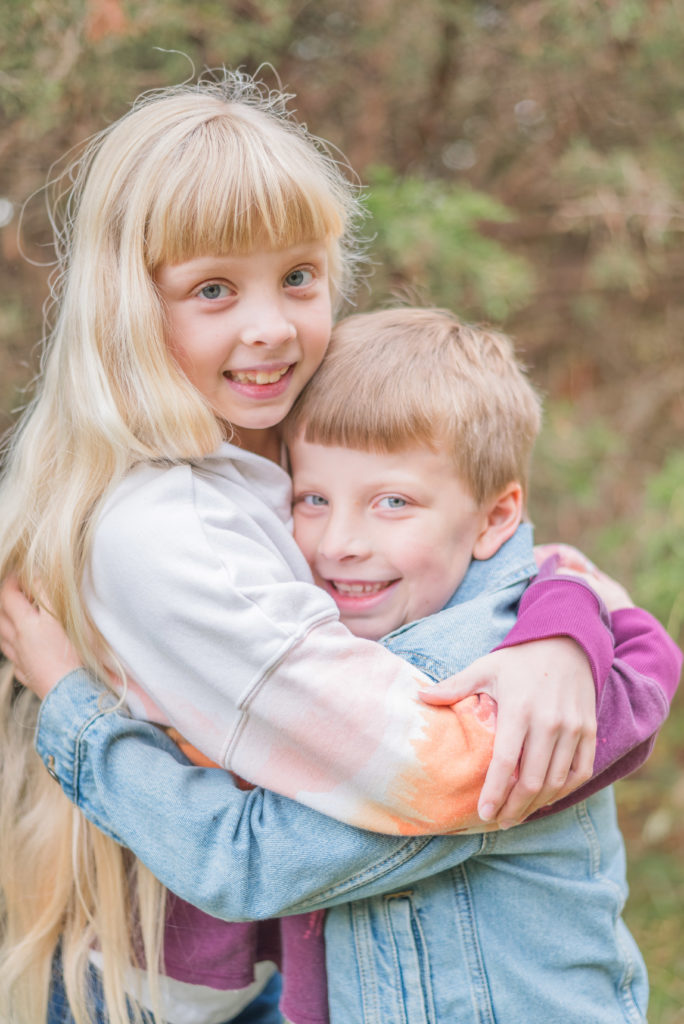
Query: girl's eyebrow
<point>303,250</point>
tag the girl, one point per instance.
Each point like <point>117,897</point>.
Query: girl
<point>207,240</point>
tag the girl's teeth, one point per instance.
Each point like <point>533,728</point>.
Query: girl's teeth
<point>358,588</point>
<point>260,377</point>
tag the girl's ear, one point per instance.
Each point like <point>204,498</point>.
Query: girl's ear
<point>501,518</point>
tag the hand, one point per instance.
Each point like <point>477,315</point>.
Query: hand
<point>612,593</point>
<point>34,641</point>
<point>546,726</point>
<point>571,562</point>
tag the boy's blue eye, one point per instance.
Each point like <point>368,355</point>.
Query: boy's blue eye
<point>316,500</point>
<point>297,278</point>
<point>214,291</point>
<point>393,501</point>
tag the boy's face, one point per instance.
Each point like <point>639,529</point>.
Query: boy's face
<point>389,536</point>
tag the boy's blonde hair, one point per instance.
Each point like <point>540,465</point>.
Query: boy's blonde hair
<point>401,377</point>
<point>209,168</point>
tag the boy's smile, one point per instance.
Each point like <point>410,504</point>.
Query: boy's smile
<point>389,536</point>
<point>249,330</point>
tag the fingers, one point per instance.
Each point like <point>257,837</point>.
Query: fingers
<point>6,641</point>
<point>477,678</point>
<point>578,772</point>
<point>13,600</point>
<point>502,773</point>
<point>34,641</point>
<point>533,789</point>
<point>570,557</point>
<point>546,724</point>
<point>556,759</point>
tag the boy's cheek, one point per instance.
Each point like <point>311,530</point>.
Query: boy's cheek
<point>303,535</point>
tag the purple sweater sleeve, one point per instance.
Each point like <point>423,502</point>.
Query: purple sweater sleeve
<point>635,664</point>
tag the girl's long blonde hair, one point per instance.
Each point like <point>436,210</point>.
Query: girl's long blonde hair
<point>219,166</point>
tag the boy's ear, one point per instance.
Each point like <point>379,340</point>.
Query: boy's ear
<point>501,518</point>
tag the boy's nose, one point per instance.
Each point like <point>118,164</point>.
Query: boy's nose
<point>343,540</point>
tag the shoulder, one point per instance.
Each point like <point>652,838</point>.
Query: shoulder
<point>227,488</point>
<point>151,502</point>
<point>160,508</point>
<point>451,639</point>
<point>221,517</point>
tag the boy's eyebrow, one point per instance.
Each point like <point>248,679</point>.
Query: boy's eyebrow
<point>303,479</point>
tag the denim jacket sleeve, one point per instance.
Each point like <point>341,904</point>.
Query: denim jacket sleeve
<point>234,854</point>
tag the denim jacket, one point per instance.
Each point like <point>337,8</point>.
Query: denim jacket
<point>446,948</point>
<point>410,947</point>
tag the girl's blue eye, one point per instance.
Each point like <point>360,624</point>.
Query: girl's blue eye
<point>299,277</point>
<point>315,500</point>
<point>392,501</point>
<point>214,291</point>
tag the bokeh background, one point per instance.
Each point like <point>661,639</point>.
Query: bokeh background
<point>524,165</point>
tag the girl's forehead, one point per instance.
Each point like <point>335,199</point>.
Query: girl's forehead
<point>271,259</point>
<point>287,250</point>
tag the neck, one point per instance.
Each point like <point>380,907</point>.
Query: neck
<point>264,442</point>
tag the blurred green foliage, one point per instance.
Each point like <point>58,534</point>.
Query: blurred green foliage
<point>523,164</point>
<point>428,239</point>
<point>659,571</point>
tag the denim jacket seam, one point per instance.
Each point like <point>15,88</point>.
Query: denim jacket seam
<point>521,573</point>
<point>436,668</point>
<point>411,848</point>
<point>81,741</point>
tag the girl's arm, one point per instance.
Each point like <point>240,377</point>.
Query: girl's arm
<point>205,606</point>
<point>634,697</point>
<point>125,774</point>
<point>131,781</point>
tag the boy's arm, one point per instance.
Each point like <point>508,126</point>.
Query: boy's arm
<point>634,691</point>
<point>634,702</point>
<point>636,668</point>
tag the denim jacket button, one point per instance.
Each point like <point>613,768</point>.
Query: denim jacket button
<point>51,768</point>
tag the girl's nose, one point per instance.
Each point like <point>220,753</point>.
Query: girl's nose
<point>267,325</point>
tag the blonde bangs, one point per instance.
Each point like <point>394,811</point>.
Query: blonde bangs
<point>229,188</point>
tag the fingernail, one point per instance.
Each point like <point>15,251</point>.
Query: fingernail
<point>487,812</point>
<point>504,825</point>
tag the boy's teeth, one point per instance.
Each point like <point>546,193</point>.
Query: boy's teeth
<point>258,376</point>
<point>358,588</point>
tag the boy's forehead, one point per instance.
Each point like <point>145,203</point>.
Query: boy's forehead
<point>432,465</point>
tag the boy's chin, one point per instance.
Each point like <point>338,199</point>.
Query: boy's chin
<point>365,630</point>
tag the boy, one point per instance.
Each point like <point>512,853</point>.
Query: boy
<point>410,453</point>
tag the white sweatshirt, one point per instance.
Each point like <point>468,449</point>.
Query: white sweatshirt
<point>200,589</point>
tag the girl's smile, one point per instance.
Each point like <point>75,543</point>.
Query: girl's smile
<point>249,330</point>
<point>261,382</point>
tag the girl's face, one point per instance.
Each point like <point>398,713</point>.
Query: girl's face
<point>249,331</point>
